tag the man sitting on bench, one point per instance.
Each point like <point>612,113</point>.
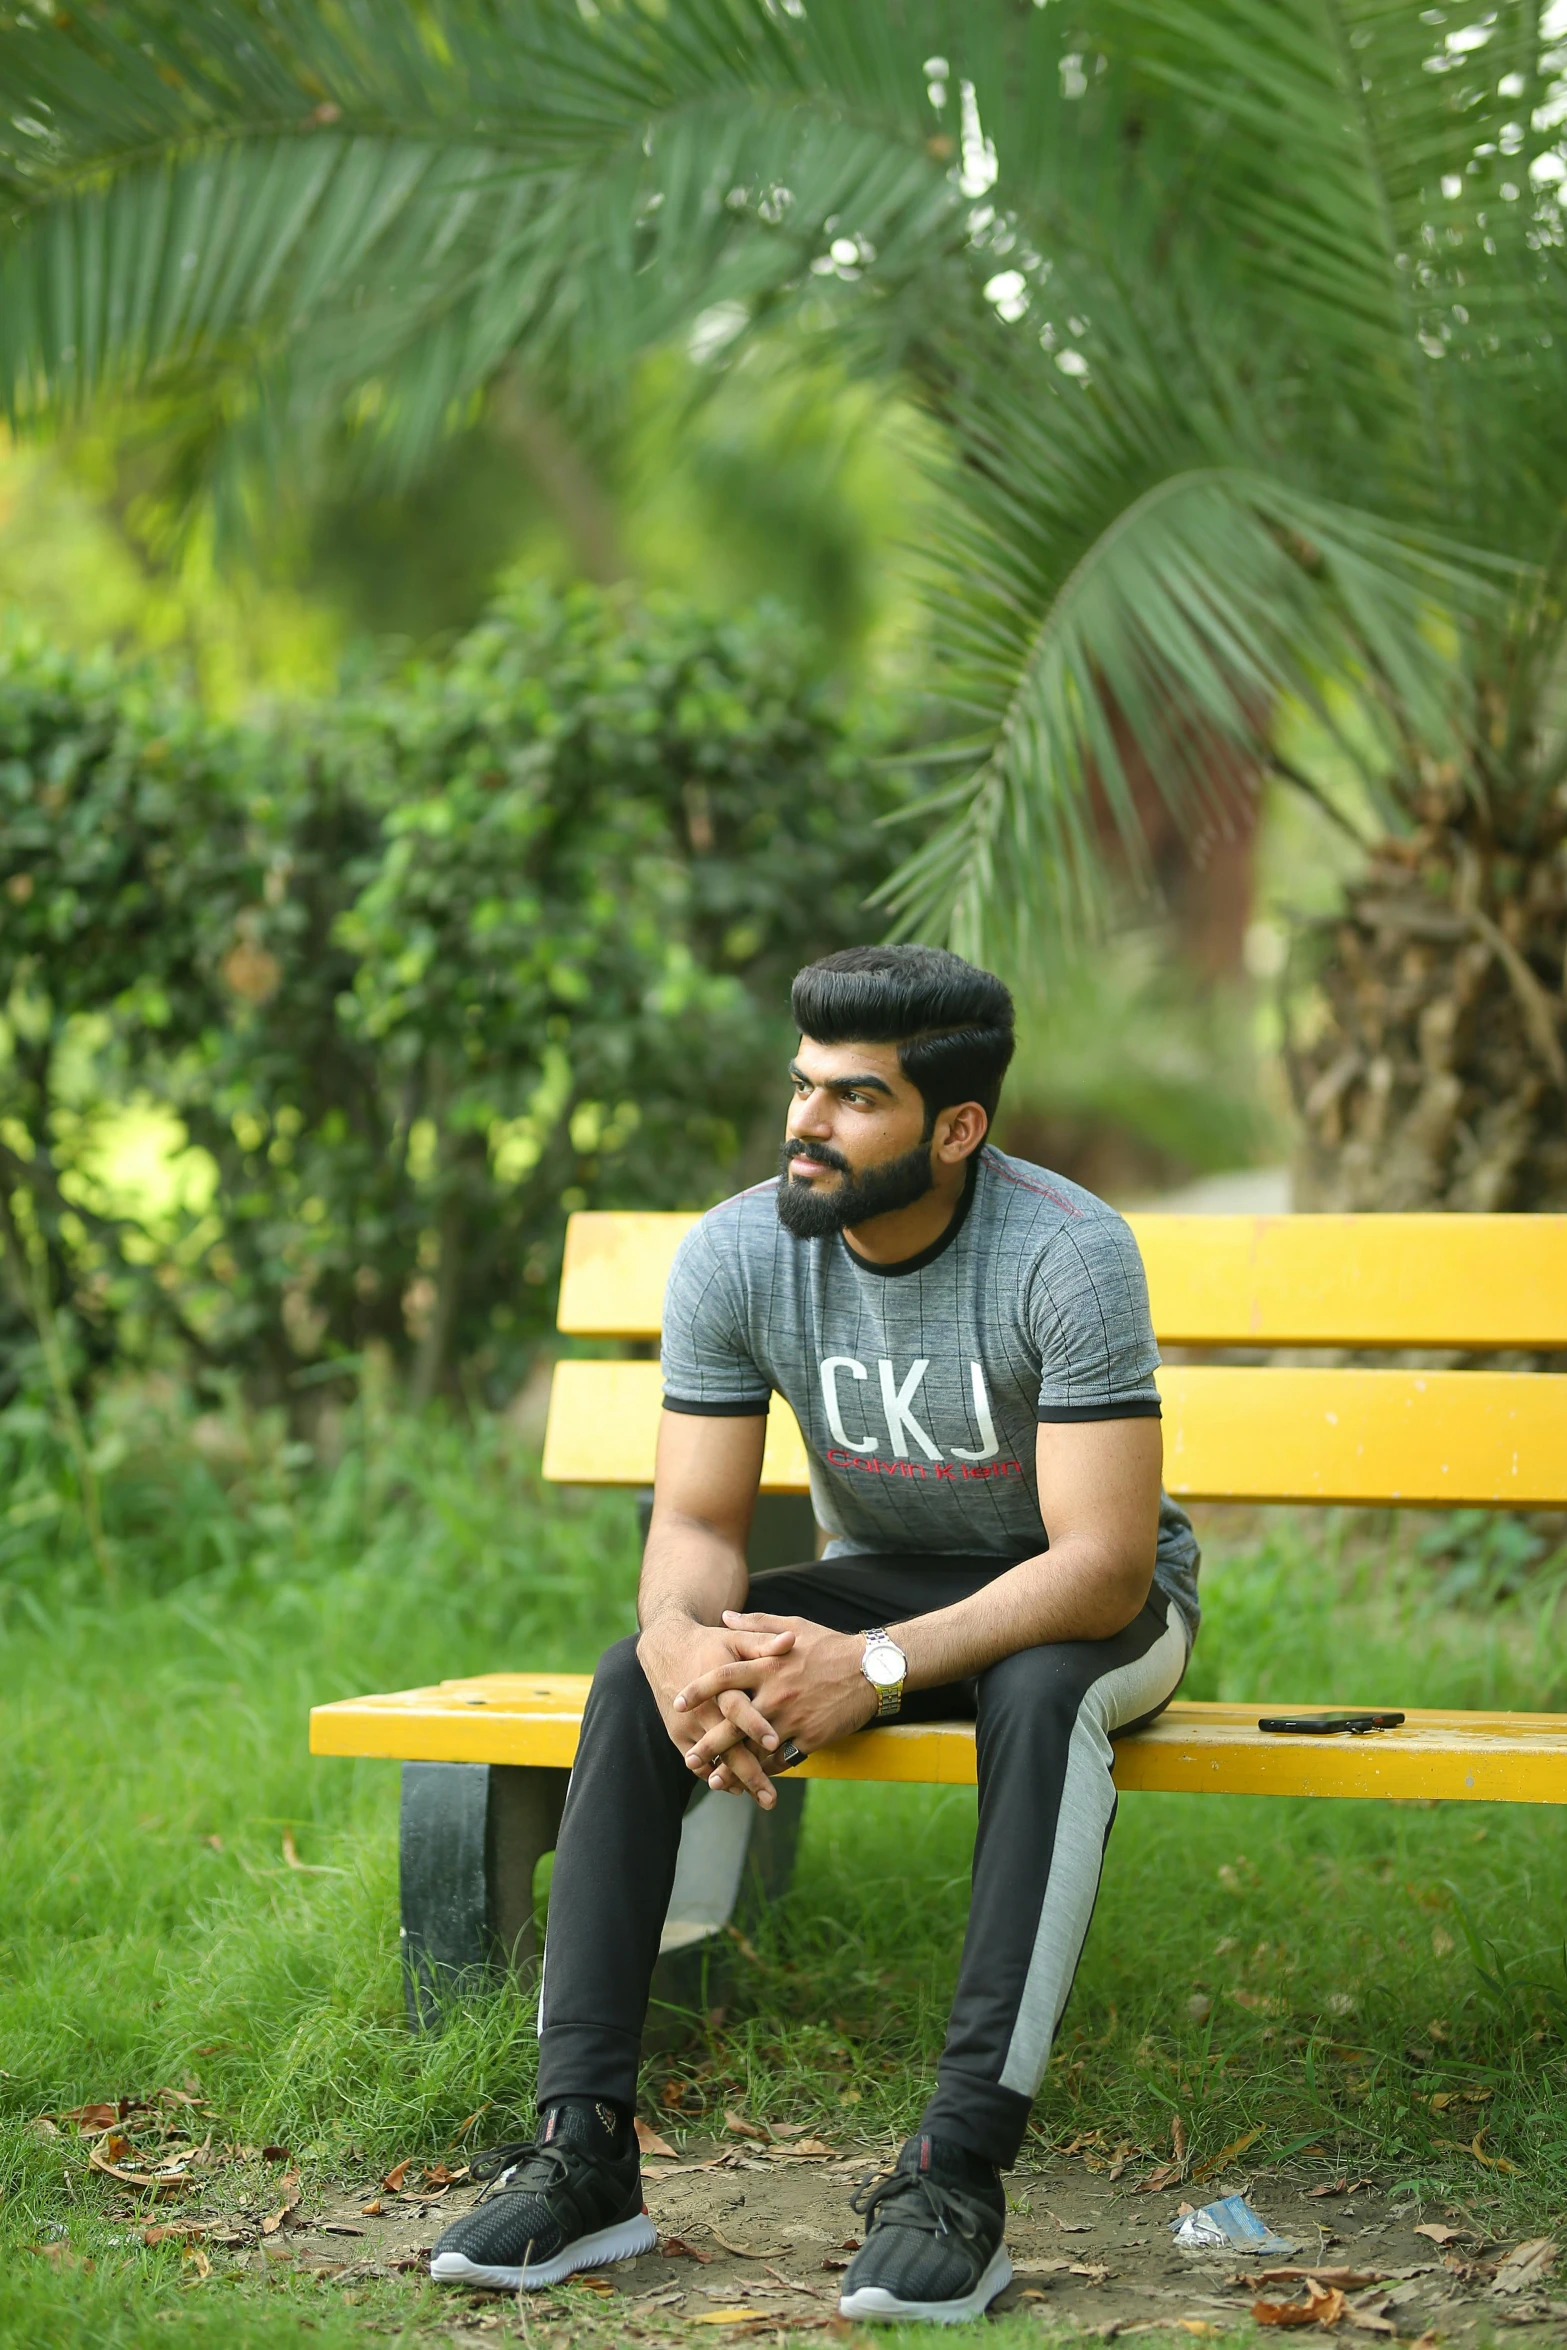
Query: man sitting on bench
<point>965,1342</point>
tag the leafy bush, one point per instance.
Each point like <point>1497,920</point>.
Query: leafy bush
<point>417,975</point>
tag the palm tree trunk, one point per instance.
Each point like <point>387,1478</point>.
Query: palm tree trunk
<point>1427,1061</point>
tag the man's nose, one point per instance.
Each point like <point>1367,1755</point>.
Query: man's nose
<point>811,1113</point>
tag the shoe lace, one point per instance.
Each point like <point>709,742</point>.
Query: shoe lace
<point>912,2199</point>
<point>519,2163</point>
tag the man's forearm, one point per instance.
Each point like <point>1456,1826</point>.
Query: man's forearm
<point>1073,1592</point>
<point>691,1571</point>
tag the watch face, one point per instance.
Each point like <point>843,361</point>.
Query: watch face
<point>885,1668</point>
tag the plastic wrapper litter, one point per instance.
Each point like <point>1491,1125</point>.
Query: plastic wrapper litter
<point>1228,2226</point>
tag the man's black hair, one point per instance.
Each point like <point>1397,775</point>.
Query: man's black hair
<point>951,1022</point>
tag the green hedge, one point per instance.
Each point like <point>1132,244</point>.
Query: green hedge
<point>417,972</point>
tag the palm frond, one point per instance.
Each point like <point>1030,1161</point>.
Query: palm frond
<point>1226,307</point>
<point>1121,600</point>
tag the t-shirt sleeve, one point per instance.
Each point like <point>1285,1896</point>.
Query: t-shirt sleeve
<point>707,1362</point>
<point>1088,1309</point>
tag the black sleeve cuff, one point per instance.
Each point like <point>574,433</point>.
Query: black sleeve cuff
<point>756,1410</point>
<point>1143,1407</point>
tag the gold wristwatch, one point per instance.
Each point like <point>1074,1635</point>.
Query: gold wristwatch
<point>886,1668</point>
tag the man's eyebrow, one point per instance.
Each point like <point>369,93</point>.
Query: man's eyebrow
<point>869,1083</point>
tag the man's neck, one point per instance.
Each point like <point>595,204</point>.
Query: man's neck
<point>908,1232</point>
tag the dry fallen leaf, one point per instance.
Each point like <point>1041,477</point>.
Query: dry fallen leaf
<point>1469,2272</point>
<point>1490,2161</point>
<point>1298,2313</point>
<point>1095,2271</point>
<point>1437,2233</point>
<point>1324,2305</point>
<point>721,2317</point>
<point>1525,2265</point>
<point>1332,2187</point>
<point>1194,2325</point>
<point>372,2210</point>
<point>398,2172</point>
<point>676,2248</point>
<point>1226,2154</point>
<point>591,2284</point>
<point>165,2180</point>
<point>176,2231</point>
<point>1166,2175</point>
<point>750,2251</point>
<point>650,2142</point>
<point>1348,2277</point>
<point>738,2127</point>
<point>1367,2320</point>
<point>197,2259</point>
<point>803,2149</point>
<point>60,2255</point>
<point>290,2190</point>
<point>93,2117</point>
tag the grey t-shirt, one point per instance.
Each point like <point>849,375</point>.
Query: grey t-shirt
<point>918,1386</point>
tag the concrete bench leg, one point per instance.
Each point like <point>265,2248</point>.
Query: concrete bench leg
<point>474,1833</point>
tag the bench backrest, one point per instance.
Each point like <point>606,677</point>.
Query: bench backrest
<point>1352,1434</point>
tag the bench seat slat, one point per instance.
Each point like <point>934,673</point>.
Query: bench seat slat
<point>1398,1281</point>
<point>1194,1748</point>
<point>1444,1438</point>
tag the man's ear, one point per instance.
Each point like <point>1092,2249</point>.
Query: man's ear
<point>959,1132</point>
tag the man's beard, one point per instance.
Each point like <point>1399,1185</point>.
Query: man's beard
<point>877,1191</point>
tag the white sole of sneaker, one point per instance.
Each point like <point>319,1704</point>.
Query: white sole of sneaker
<point>623,2241</point>
<point>874,2301</point>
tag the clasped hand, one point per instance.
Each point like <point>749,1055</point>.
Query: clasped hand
<point>733,1698</point>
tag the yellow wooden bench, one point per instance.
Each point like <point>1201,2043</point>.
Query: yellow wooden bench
<point>486,1759</point>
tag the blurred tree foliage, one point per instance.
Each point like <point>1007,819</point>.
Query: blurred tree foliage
<point>507,936</point>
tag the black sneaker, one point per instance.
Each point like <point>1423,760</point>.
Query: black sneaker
<point>933,2244</point>
<point>570,2198</point>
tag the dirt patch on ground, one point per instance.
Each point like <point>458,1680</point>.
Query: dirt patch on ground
<point>756,2238</point>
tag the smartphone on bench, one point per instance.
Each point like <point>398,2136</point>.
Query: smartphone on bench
<point>1323,1725</point>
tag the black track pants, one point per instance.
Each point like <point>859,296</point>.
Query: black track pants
<point>1044,1717</point>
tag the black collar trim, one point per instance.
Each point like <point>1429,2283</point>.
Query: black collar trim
<point>938,1247</point>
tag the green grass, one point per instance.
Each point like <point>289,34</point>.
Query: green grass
<point>1309,1971</point>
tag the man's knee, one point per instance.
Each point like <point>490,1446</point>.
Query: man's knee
<point>618,1678</point>
<point>1033,1698</point>
<point>1032,1680</point>
<point>621,1715</point>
